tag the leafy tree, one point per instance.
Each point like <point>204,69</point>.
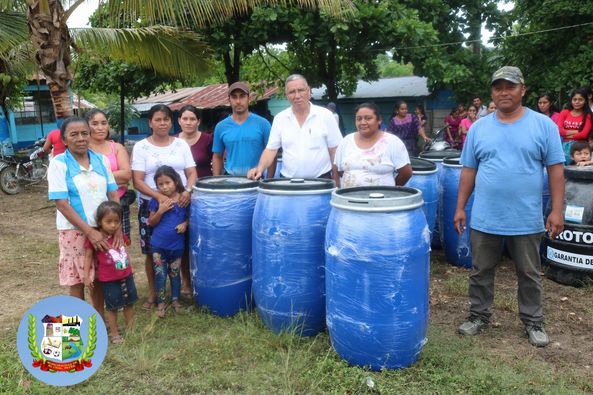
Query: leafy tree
<point>390,68</point>
<point>338,52</point>
<point>165,49</point>
<point>556,60</point>
<point>127,81</point>
<point>466,69</point>
<point>16,62</point>
<point>235,30</point>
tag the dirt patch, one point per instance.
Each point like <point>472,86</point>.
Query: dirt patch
<point>28,272</point>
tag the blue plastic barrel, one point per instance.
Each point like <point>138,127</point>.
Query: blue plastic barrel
<point>437,158</point>
<point>377,274</point>
<point>220,239</point>
<point>457,247</point>
<point>288,256</point>
<point>425,178</point>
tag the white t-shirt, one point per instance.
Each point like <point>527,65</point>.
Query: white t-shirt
<point>148,158</point>
<point>305,148</point>
<point>370,167</point>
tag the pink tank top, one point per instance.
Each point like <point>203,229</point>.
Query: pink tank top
<point>112,156</point>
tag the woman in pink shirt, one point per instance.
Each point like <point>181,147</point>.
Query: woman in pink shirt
<point>466,123</point>
<point>574,123</point>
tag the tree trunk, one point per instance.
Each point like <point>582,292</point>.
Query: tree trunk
<point>51,40</point>
<point>60,98</point>
<point>122,118</point>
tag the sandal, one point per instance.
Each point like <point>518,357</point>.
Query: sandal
<point>161,310</point>
<point>116,339</point>
<point>148,305</point>
<point>176,306</point>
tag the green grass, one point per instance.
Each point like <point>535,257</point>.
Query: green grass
<point>196,352</point>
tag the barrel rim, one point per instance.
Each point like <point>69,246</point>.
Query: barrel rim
<point>430,167</point>
<point>340,201</point>
<point>202,184</point>
<point>427,155</point>
<point>452,162</point>
<point>578,173</point>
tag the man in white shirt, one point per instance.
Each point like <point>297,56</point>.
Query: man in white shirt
<point>308,135</point>
<point>481,110</point>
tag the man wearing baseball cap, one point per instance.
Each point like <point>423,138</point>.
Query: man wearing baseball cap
<point>243,135</point>
<point>503,160</point>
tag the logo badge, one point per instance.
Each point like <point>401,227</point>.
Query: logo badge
<point>62,340</point>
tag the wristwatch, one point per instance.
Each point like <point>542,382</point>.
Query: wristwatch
<point>188,190</point>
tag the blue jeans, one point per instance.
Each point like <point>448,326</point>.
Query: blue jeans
<point>167,262</point>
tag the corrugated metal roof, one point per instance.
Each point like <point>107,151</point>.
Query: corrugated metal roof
<point>211,96</point>
<point>385,87</point>
<point>168,97</point>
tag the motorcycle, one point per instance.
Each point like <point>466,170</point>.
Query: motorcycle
<point>438,142</point>
<point>27,166</point>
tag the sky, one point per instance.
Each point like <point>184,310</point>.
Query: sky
<point>81,15</point>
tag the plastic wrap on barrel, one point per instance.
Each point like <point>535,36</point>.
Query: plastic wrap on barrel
<point>220,243</point>
<point>288,261</point>
<point>457,247</point>
<point>377,276</point>
<point>429,185</point>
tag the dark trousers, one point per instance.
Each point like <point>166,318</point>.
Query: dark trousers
<point>486,254</point>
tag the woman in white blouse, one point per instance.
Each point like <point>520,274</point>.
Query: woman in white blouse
<point>370,157</point>
<point>148,155</point>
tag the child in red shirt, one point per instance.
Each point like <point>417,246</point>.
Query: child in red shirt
<point>114,270</point>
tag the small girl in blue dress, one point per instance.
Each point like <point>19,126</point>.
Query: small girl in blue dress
<point>169,222</point>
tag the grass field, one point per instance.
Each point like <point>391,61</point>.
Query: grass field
<point>196,352</point>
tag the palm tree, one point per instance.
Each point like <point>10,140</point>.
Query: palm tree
<point>167,50</point>
<point>170,50</point>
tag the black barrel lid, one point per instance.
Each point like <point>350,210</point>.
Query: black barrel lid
<point>422,165</point>
<point>439,155</point>
<point>578,172</point>
<point>377,199</point>
<point>454,162</point>
<point>296,185</point>
<point>225,183</point>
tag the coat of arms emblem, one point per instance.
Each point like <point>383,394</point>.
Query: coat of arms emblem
<point>62,348</point>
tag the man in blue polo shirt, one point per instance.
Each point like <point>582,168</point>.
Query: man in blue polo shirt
<point>503,160</point>
<point>243,135</point>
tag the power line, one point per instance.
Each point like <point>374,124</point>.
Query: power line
<point>495,37</point>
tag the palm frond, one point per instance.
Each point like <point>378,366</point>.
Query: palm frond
<point>19,61</point>
<point>165,49</point>
<point>13,30</point>
<point>12,5</point>
<point>204,12</point>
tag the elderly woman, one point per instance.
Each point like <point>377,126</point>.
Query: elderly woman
<point>407,127</point>
<point>370,157</point>
<point>148,155</point>
<point>79,180</point>
<point>118,157</point>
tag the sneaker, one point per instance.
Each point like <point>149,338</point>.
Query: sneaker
<point>472,326</point>
<point>537,335</point>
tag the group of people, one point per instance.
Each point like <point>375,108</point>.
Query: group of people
<point>574,122</point>
<point>459,120</point>
<point>88,183</point>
